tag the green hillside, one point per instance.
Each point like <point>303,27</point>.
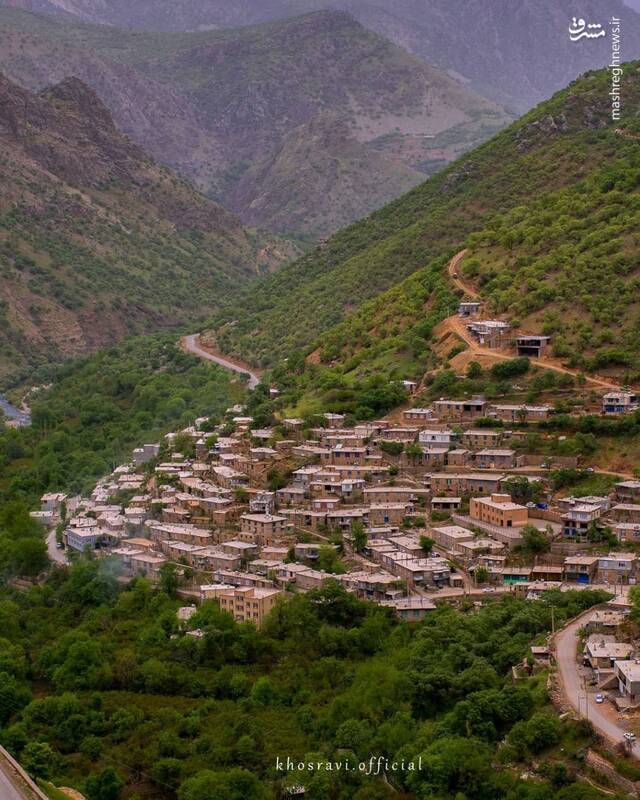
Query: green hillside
<point>96,240</point>
<point>549,205</point>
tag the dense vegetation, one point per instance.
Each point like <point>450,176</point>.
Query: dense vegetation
<point>101,406</point>
<point>101,688</point>
<point>96,241</point>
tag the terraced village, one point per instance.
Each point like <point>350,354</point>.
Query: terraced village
<point>441,501</point>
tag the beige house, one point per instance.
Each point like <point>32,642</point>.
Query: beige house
<point>499,510</point>
<point>263,528</point>
<point>245,603</point>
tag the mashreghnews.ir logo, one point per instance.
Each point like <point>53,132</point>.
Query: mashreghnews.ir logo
<point>579,29</point>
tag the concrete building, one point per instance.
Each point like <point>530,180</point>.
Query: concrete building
<point>532,346</point>
<point>619,402</point>
<point>577,522</point>
<point>244,603</point>
<point>628,676</point>
<point>498,510</point>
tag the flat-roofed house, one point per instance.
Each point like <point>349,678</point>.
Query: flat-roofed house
<point>450,536</point>
<point>495,458</point>
<point>580,569</point>
<point>628,675</point>
<point>605,620</point>
<point>578,520</point>
<point>460,409</point>
<point>482,437</point>
<point>489,332</point>
<point>628,491</point>
<point>626,512</point>
<point>520,412</point>
<point>617,567</point>
<point>601,654</point>
<point>619,402</point>
<point>413,608</point>
<point>498,510</point>
<point>446,503</point>
<point>264,528</point>
<point>469,308</point>
<point>245,603</point>
<point>627,531</point>
<point>443,483</point>
<point>531,345</point>
<point>430,436</point>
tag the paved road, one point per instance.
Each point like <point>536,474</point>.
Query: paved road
<point>8,790</point>
<point>192,345</point>
<point>571,679</point>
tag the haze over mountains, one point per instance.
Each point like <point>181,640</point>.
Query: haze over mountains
<point>516,52</point>
<point>299,126</point>
<point>96,240</point>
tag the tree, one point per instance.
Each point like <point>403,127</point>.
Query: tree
<point>413,452</point>
<point>105,785</point>
<point>533,540</point>
<point>392,448</point>
<point>359,536</point>
<point>30,556</point>
<point>474,370</point>
<point>426,543</point>
<point>233,784</point>
<point>263,692</point>
<point>482,574</point>
<point>38,759</point>
<point>169,579</point>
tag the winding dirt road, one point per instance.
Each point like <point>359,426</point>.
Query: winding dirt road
<point>192,344</point>
<point>456,325</point>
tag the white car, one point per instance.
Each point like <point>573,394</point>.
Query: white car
<point>599,698</point>
<point>630,737</point>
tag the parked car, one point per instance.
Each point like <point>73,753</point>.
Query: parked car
<point>543,506</point>
<point>630,737</point>
<point>599,698</point>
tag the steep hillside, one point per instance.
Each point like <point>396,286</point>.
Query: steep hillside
<point>549,211</point>
<point>96,241</point>
<point>514,51</point>
<point>250,109</point>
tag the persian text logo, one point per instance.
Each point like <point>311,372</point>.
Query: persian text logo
<point>579,29</point>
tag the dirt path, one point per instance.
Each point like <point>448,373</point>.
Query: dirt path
<point>193,344</point>
<point>456,325</point>
<point>454,274</point>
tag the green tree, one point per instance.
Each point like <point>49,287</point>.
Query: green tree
<point>474,370</point>
<point>169,579</point>
<point>359,536</point>
<point>481,575</point>
<point>39,759</point>
<point>534,541</point>
<point>105,785</point>
<point>426,544</point>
